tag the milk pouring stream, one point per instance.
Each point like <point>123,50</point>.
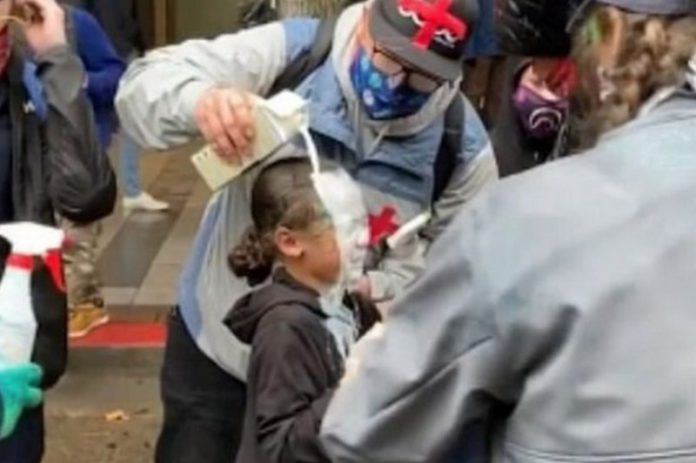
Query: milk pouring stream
<point>17,319</point>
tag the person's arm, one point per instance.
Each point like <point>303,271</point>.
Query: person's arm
<point>103,65</point>
<point>476,171</point>
<point>160,93</point>
<point>81,183</point>
<point>291,392</point>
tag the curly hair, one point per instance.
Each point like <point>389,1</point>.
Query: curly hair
<point>653,54</point>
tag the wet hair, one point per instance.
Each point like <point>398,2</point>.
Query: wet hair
<point>654,53</point>
<point>283,196</point>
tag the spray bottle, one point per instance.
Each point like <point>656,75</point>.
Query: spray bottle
<point>17,319</point>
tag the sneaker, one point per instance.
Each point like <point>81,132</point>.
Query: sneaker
<point>84,318</point>
<point>144,202</point>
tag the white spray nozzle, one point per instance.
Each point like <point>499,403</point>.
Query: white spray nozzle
<point>32,239</point>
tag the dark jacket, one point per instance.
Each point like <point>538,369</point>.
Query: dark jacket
<point>56,168</point>
<point>293,371</point>
<point>104,70</point>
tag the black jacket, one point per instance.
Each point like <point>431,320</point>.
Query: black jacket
<point>293,371</point>
<point>58,167</point>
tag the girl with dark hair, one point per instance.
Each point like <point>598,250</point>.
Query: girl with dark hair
<point>296,362</point>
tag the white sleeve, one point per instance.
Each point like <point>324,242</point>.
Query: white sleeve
<point>159,92</point>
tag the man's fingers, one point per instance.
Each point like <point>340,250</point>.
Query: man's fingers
<point>227,114</point>
<point>238,131</point>
<point>225,119</point>
<point>212,127</point>
<point>219,139</point>
<point>244,109</point>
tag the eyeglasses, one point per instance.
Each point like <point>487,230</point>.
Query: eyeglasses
<point>394,68</point>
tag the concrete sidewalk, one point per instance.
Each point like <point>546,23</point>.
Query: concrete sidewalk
<point>101,381</point>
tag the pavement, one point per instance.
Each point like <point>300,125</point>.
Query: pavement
<point>106,409</point>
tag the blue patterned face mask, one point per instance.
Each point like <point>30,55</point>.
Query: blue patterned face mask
<point>382,98</point>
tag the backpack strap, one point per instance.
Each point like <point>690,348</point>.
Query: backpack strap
<point>305,63</point>
<point>450,147</point>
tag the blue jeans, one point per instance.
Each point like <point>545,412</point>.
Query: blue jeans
<point>130,167</point>
<point>26,443</point>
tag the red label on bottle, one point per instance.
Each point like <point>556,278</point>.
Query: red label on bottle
<point>20,261</point>
<point>55,267</point>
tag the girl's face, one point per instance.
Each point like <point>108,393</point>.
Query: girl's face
<point>313,253</point>
<point>322,255</point>
<point>331,251</point>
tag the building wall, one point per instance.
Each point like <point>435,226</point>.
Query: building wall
<point>202,18</point>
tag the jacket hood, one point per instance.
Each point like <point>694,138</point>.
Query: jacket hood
<point>248,312</point>
<point>341,56</point>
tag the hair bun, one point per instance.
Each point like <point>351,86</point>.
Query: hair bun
<point>252,258</point>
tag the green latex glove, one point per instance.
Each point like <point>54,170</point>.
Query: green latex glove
<point>18,390</point>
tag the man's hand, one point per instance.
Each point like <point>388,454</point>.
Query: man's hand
<point>45,29</point>
<point>363,287</point>
<point>225,118</point>
<point>18,390</point>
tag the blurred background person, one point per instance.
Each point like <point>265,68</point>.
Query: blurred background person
<point>104,69</point>
<point>118,20</point>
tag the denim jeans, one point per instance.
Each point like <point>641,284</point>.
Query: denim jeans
<point>203,405</point>
<point>26,443</point>
<point>130,167</point>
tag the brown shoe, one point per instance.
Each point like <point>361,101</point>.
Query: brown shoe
<point>86,317</point>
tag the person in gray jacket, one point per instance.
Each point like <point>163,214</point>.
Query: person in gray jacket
<point>559,307</point>
<point>377,106</point>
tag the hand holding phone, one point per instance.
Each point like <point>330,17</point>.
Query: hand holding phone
<point>43,24</point>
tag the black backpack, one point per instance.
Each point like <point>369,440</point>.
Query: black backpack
<point>450,146</point>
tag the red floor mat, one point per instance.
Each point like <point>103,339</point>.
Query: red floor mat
<point>124,335</point>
